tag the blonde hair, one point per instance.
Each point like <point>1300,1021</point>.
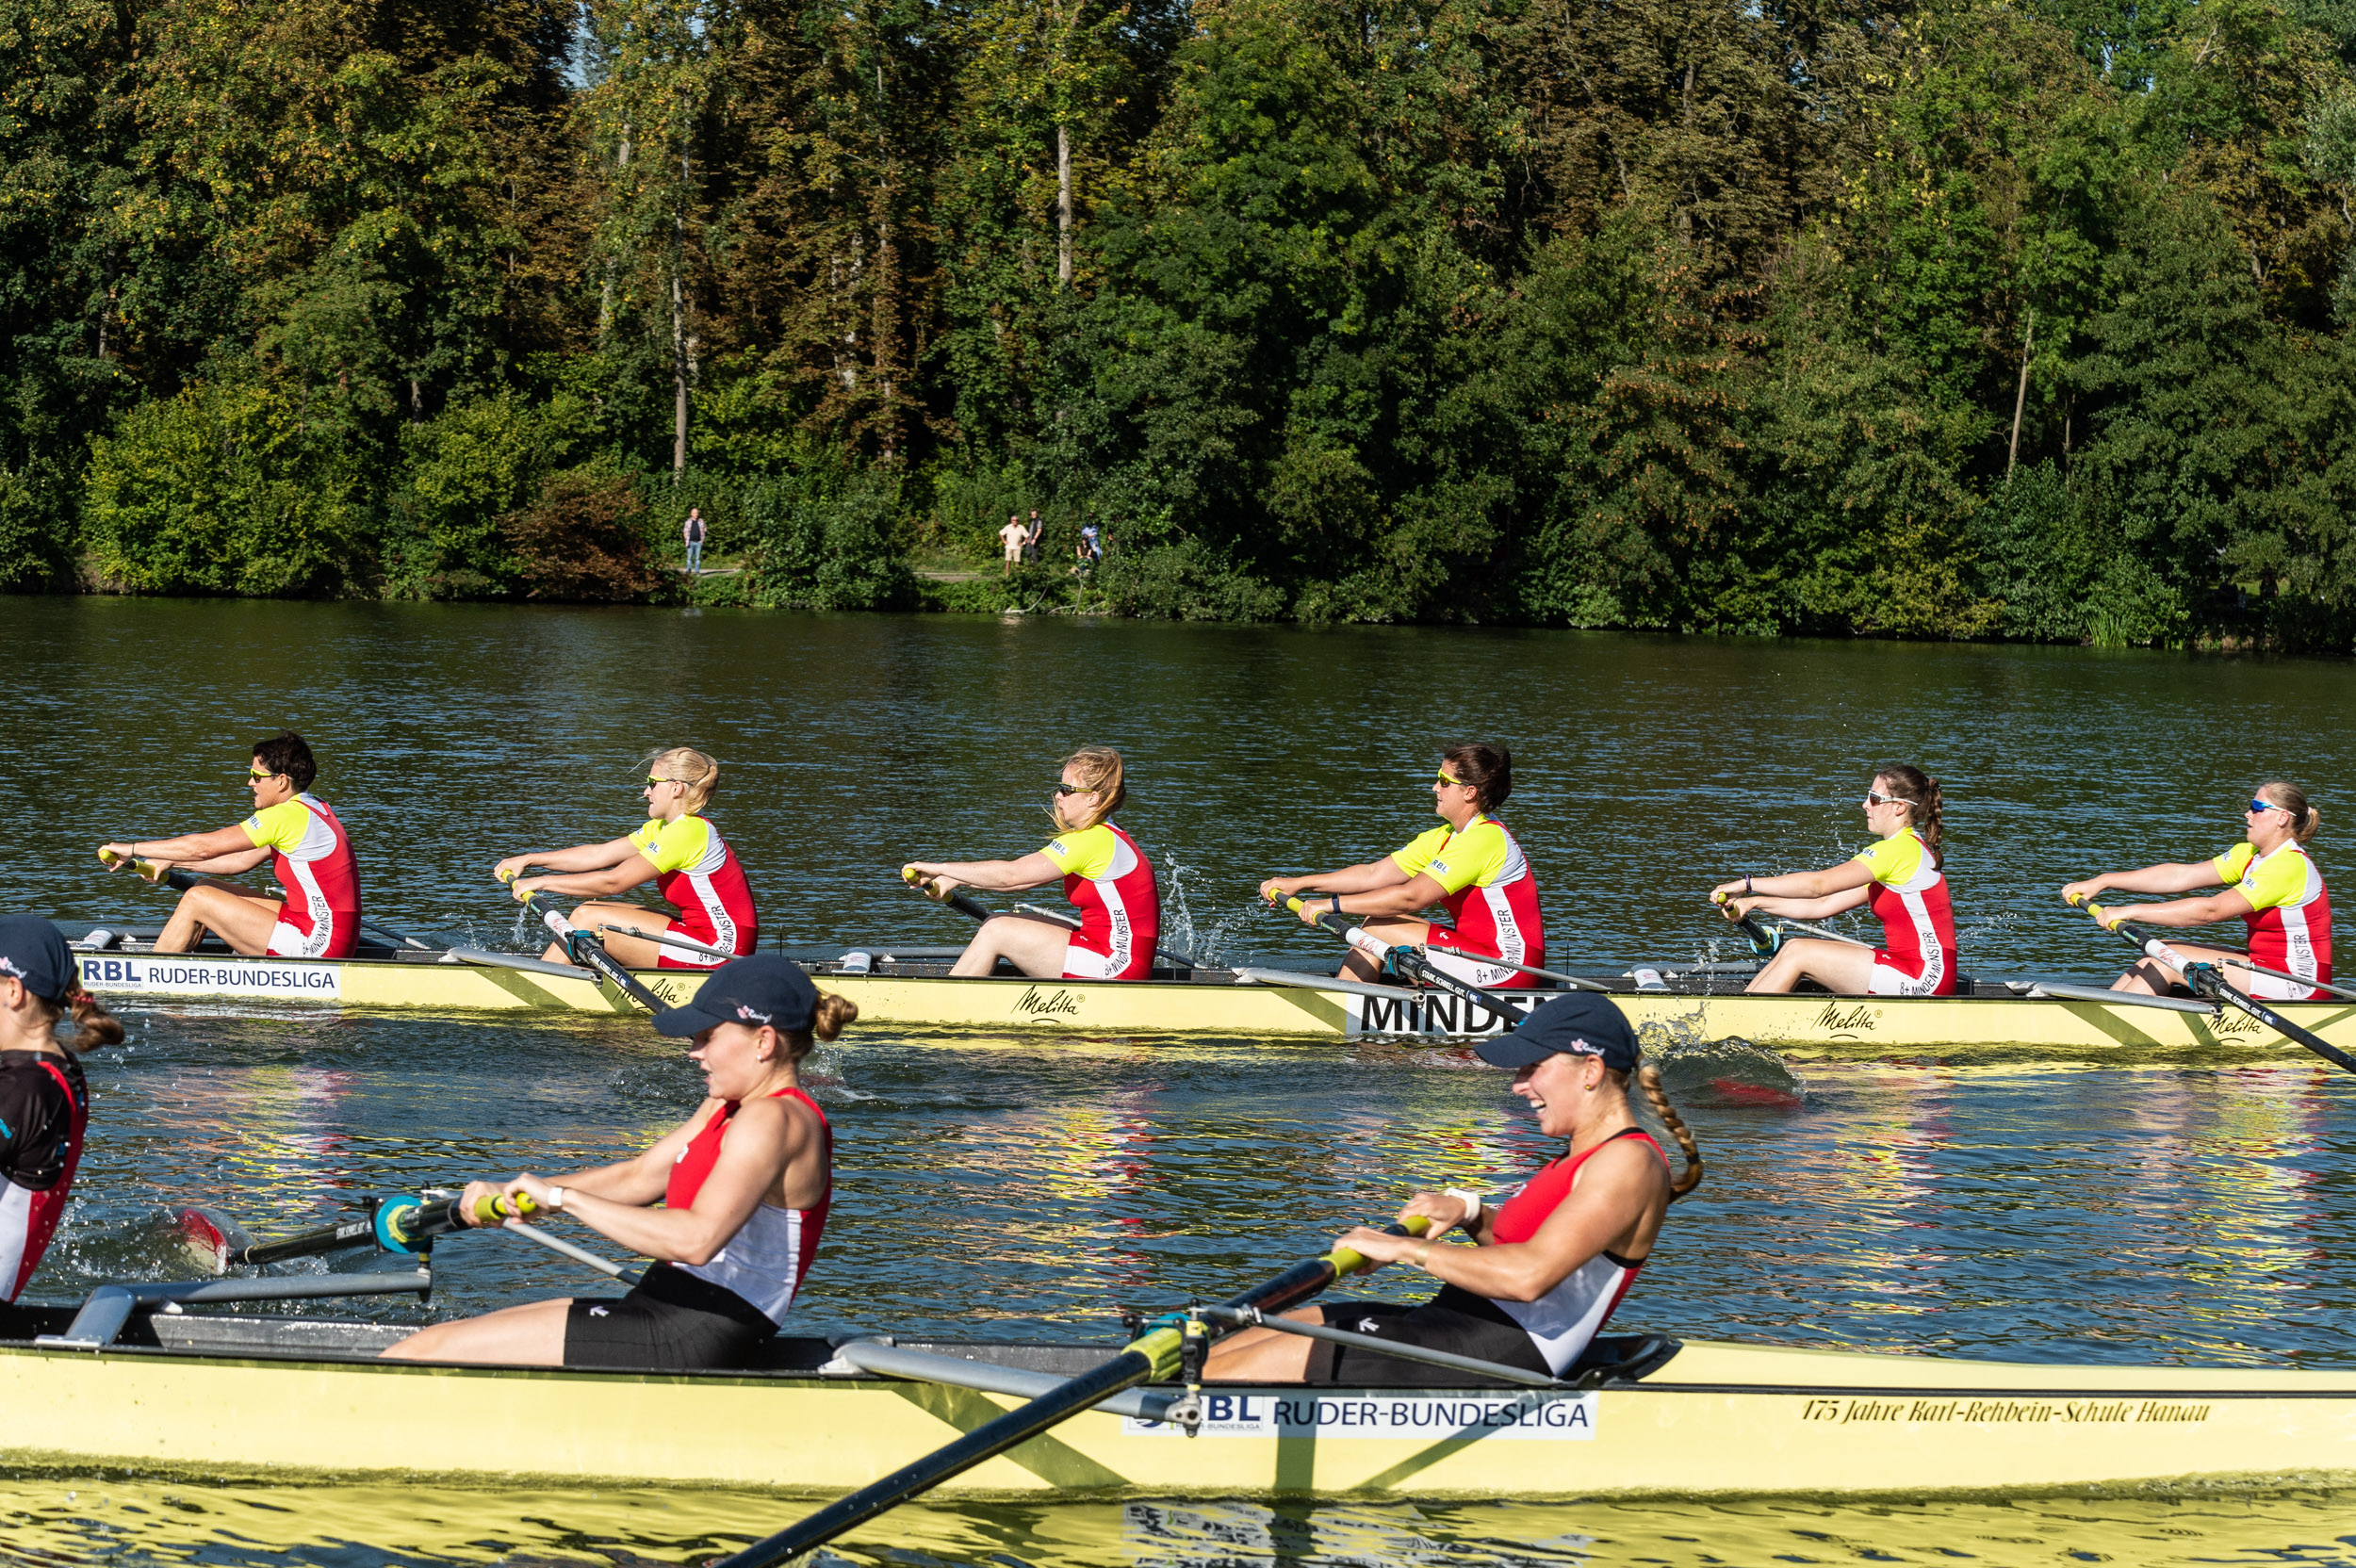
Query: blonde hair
<point>1648,1079</point>
<point>2306,816</point>
<point>698,771</point>
<point>1100,769</point>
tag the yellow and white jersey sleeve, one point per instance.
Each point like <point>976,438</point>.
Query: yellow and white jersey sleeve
<point>1089,853</point>
<point>687,845</point>
<point>291,828</point>
<point>1481,855</point>
<point>1900,862</point>
<point>2278,882</point>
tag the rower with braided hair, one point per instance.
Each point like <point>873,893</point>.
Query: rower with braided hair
<point>1547,1266</point>
<point>1900,877</point>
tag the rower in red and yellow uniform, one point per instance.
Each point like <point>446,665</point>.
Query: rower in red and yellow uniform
<point>1470,866</point>
<point>2271,885</point>
<point>1899,877</point>
<point>678,851</point>
<point>295,830</point>
<point>1105,875</point>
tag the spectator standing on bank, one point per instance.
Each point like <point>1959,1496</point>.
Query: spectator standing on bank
<point>1030,541</point>
<point>1014,536</point>
<point>694,532</point>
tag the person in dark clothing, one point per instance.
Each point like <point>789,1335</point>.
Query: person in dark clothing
<point>44,1104</point>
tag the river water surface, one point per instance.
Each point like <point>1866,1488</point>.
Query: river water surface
<point>1982,1205</point>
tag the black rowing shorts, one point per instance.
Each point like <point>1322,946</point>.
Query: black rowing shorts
<point>670,1321</point>
<point>1455,1320</point>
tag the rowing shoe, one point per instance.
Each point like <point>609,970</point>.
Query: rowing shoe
<point>400,1224</point>
<point>1172,1346</point>
<point>2207,980</point>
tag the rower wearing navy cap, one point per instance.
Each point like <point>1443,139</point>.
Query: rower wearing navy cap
<point>744,1183</point>
<point>44,1106</point>
<point>1547,1266</point>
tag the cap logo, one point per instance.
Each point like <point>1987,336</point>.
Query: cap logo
<point>8,966</point>
<point>749,1016</point>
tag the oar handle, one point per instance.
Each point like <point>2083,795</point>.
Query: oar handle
<point>1327,919</point>
<point>931,887</point>
<point>1763,942</point>
<point>169,877</point>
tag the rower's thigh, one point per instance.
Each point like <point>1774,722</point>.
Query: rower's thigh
<point>240,916</point>
<point>1034,946</point>
<point>630,952</point>
<point>529,1335</point>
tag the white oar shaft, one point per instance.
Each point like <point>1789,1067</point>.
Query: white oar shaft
<point>579,1254</point>
<point>1824,931</point>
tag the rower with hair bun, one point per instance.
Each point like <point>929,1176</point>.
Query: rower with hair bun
<point>679,852</point>
<point>2272,886</point>
<point>1548,1266</point>
<point>44,1104</point>
<point>1900,876</point>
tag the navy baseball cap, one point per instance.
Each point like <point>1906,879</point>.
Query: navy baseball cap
<point>1584,1023</point>
<point>768,987</point>
<point>33,952</point>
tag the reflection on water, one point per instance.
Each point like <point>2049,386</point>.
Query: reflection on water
<point>127,1520</point>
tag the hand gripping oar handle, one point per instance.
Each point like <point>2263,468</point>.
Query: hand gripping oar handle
<point>1407,961</point>
<point>590,954</point>
<point>1154,1354</point>
<point>930,888</point>
<point>173,876</point>
<point>2207,980</point>
<point>1763,942</point>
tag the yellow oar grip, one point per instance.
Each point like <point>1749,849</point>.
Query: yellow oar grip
<point>494,1206</point>
<point>1346,1262</point>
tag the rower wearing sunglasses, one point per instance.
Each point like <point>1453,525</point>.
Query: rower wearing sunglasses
<point>1470,866</point>
<point>290,827</point>
<point>679,852</point>
<point>1105,875</point>
<point>1898,877</point>
<point>2271,885</point>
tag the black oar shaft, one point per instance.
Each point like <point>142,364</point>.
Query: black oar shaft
<point>588,952</point>
<point>303,1244</point>
<point>2205,979</point>
<point>1411,963</point>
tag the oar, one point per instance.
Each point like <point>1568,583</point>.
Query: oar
<point>180,881</point>
<point>1412,963</point>
<point>2207,980</point>
<point>1576,982</point>
<point>586,951</point>
<point>667,938</point>
<point>402,1224</point>
<point>1156,1354</point>
<point>1763,941</point>
<point>976,912</point>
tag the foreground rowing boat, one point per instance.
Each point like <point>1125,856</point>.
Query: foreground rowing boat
<point>189,1392</point>
<point>911,989</point>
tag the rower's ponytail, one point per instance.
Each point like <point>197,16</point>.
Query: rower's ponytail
<point>1648,1079</point>
<point>1925,803</point>
<point>2305,817</point>
<point>93,1026</point>
<point>831,1016</point>
<point>1099,768</point>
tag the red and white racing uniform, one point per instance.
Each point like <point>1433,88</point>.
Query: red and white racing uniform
<point>312,860</point>
<point>1491,899</point>
<point>697,874</point>
<point>1107,878</point>
<point>2290,918</point>
<point>44,1107</point>
<point>1909,897</point>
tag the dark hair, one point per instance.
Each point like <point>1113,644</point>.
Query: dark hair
<point>1925,802</point>
<point>1488,769</point>
<point>288,753</point>
<point>94,1026</point>
<point>2306,816</point>
<point>833,1013</point>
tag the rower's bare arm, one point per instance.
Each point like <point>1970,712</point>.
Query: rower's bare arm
<point>763,1141</point>
<point>634,871</point>
<point>1814,909</point>
<point>2168,878</point>
<point>1406,897</point>
<point>187,848</point>
<point>2229,904</point>
<point>580,858</point>
<point>1371,877</point>
<point>234,864</point>
<point>1614,1204</point>
<point>1034,870</point>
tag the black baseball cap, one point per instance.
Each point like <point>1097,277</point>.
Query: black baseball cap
<point>33,952</point>
<point>1584,1023</point>
<point>768,987</point>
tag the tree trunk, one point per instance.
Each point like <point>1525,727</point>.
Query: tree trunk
<point>679,326</point>
<point>2021,396</point>
<point>1063,205</point>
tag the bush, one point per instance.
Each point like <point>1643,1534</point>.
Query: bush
<point>465,471</point>
<point>826,540</point>
<point>584,541</point>
<point>224,489</point>
<point>26,544</point>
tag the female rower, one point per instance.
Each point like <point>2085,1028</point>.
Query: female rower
<point>299,833</point>
<point>1548,1265</point>
<point>1471,867</point>
<point>1898,877</point>
<point>678,851</point>
<point>743,1184</point>
<point>1105,875</point>
<point>2271,885</point>
<point>44,1103</point>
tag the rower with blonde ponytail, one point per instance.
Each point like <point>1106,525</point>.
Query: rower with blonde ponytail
<point>2272,886</point>
<point>1547,1266</point>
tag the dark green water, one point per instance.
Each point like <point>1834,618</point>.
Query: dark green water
<point>2162,1213</point>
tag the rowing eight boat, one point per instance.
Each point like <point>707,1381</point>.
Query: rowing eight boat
<point>191,1392</point>
<point>911,988</point>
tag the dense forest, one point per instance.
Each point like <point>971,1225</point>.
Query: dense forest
<point>1952,319</point>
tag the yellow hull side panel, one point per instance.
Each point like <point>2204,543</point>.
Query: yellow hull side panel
<point>1733,1421</point>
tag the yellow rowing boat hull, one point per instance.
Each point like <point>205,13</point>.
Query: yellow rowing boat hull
<point>1718,1419</point>
<point>1795,1026</point>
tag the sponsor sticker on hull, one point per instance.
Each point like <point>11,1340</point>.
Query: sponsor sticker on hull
<point>177,974</point>
<point>1434,1014</point>
<point>1329,1415</point>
